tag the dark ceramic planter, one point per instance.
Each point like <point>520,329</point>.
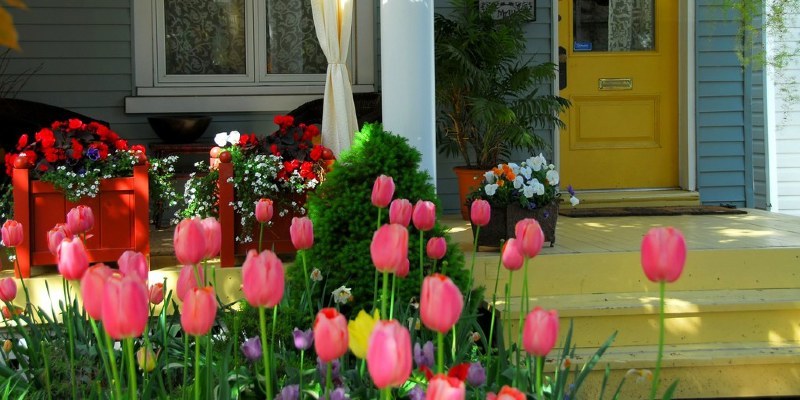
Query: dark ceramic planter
<point>503,220</point>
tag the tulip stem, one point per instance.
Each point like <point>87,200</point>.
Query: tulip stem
<point>114,372</point>
<point>128,343</point>
<point>197,368</point>
<point>383,294</point>
<point>260,237</point>
<point>539,388</point>
<point>22,281</point>
<point>262,316</point>
<point>440,352</point>
<point>300,384</point>
<point>375,281</point>
<point>386,393</point>
<point>329,380</point>
<point>67,319</point>
<point>185,358</point>
<point>46,373</point>
<point>100,349</point>
<point>494,308</point>
<point>391,302</point>
<point>472,264</point>
<point>654,389</point>
<point>306,277</point>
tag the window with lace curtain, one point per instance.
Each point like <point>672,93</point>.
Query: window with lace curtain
<point>206,41</point>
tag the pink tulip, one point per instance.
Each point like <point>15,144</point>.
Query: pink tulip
<point>436,248</point>
<point>199,311</point>
<point>80,219</point>
<point>480,212</point>
<point>512,255</point>
<point>443,387</point>
<point>8,289</point>
<point>189,241</point>
<point>402,271</point>
<point>125,306</point>
<point>440,304</point>
<point>424,215</point>
<point>262,279</point>
<point>187,281</point>
<point>56,235</point>
<point>389,354</point>
<point>506,393</point>
<point>72,258</point>
<point>156,293</point>
<point>330,334</point>
<point>213,234</point>
<point>389,247</point>
<point>382,191</point>
<point>12,233</point>
<point>134,263</point>
<point>92,284</point>
<point>264,210</point>
<point>663,254</point>
<point>302,233</point>
<point>400,212</point>
<point>530,236</point>
<point>540,331</point>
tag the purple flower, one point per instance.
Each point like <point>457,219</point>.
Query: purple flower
<point>339,394</point>
<point>303,339</point>
<point>252,348</point>
<point>476,375</point>
<point>423,356</point>
<point>93,154</point>
<point>417,393</point>
<point>291,392</point>
<point>571,190</point>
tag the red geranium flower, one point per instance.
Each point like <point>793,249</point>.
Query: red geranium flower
<point>22,142</point>
<point>45,137</point>
<point>316,152</point>
<point>75,123</point>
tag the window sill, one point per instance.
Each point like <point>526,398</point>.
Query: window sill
<point>177,102</point>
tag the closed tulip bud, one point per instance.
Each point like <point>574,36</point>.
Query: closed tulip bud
<point>443,387</point>
<point>302,233</point>
<point>199,311</point>
<point>156,293</point>
<point>262,279</point>
<point>389,354</point>
<point>134,263</point>
<point>663,254</point>
<point>189,241</point>
<point>506,393</point>
<point>330,334</point>
<point>303,339</point>
<point>436,248</point>
<point>359,331</point>
<point>423,355</point>
<point>187,281</point>
<point>55,236</point>
<point>530,236</point>
<point>400,212</point>
<point>251,348</point>
<point>125,306</point>
<point>146,359</point>
<point>480,212</point>
<point>80,219</point>
<point>389,247</point>
<point>476,375</point>
<point>440,304</point>
<point>72,258</point>
<point>8,289</point>
<point>92,284</point>
<point>512,255</point>
<point>12,233</point>
<point>424,215</point>
<point>540,331</point>
<point>264,210</point>
<point>382,191</point>
<point>213,234</point>
<point>8,345</point>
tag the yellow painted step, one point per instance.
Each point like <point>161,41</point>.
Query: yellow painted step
<point>634,198</point>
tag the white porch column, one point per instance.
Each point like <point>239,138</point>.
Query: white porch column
<point>407,75</point>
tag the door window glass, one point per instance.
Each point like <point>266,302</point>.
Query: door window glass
<point>614,25</point>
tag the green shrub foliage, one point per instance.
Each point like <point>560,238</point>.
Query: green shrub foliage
<point>345,220</point>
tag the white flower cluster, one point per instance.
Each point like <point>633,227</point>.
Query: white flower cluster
<point>533,179</point>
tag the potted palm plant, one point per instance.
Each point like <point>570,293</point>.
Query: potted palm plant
<point>488,92</point>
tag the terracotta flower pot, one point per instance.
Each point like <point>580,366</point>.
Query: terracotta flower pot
<point>468,180</point>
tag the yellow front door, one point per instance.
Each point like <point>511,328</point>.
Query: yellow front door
<point>619,67</point>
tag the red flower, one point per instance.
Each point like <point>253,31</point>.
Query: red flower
<point>75,123</point>
<point>51,155</point>
<point>77,148</point>
<point>307,170</point>
<point>137,148</point>
<point>316,152</point>
<point>311,131</point>
<point>290,166</point>
<point>46,137</point>
<point>274,149</point>
<point>10,158</point>
<point>121,144</point>
<point>22,142</point>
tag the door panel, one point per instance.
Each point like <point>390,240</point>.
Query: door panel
<point>621,59</point>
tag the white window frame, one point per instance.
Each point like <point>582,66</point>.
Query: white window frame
<point>268,93</point>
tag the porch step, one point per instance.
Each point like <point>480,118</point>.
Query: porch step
<point>637,198</point>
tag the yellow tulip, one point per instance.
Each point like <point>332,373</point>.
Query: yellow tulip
<point>359,330</point>
<point>146,358</point>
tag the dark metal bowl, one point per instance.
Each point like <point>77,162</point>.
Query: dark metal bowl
<point>179,128</point>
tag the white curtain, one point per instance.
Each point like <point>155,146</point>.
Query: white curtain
<point>333,20</point>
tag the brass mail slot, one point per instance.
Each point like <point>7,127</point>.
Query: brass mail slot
<point>615,84</point>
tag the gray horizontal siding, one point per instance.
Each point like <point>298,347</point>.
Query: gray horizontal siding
<point>722,108</point>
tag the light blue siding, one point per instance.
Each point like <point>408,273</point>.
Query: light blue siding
<point>723,109</point>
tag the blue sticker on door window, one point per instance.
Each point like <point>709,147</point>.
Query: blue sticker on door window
<point>581,45</point>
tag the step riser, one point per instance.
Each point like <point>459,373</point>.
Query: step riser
<point>559,274</point>
<point>776,326</point>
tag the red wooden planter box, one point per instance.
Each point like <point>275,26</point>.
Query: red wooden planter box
<point>121,212</point>
<point>275,237</point>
